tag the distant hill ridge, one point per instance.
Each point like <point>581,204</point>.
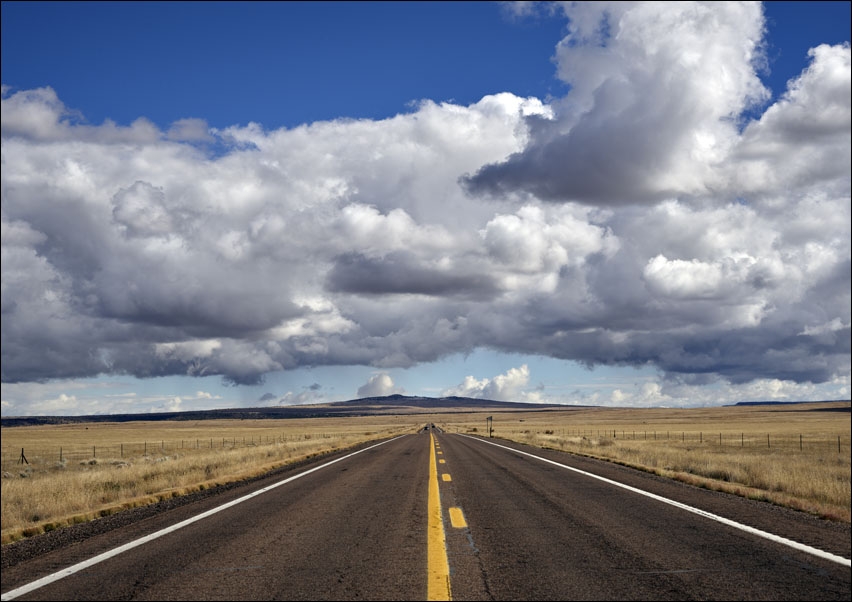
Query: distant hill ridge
<point>364,406</point>
<point>356,407</point>
<point>439,402</point>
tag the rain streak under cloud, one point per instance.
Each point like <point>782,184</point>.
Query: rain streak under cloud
<point>639,220</point>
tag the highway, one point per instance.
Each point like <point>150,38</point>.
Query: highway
<point>438,515</point>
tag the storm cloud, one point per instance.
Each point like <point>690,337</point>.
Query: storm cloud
<point>639,220</point>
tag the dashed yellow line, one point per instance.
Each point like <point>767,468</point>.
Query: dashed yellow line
<point>457,518</point>
<point>446,477</point>
<point>438,567</point>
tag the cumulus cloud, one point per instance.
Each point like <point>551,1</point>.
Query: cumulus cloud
<point>309,395</point>
<point>178,403</point>
<point>190,130</point>
<point>656,90</point>
<point>638,221</point>
<point>40,115</point>
<point>379,385</point>
<point>503,387</point>
<point>800,145</point>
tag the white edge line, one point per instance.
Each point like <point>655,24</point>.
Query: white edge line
<point>25,589</point>
<point>736,525</point>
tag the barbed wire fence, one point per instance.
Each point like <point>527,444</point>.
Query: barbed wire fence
<point>14,458</point>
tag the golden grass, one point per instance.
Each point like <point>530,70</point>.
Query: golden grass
<point>794,455</point>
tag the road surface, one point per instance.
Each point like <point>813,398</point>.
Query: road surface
<point>438,515</point>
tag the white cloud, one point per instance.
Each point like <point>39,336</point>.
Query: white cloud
<point>175,404</point>
<point>39,115</point>
<point>536,239</point>
<point>141,210</point>
<point>302,397</point>
<point>801,144</point>
<point>190,130</point>
<point>651,114</point>
<point>631,223</point>
<point>503,387</point>
<point>379,385</point>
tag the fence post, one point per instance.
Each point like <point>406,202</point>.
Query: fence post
<point>767,440</point>
<point>800,442</point>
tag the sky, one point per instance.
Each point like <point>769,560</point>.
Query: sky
<point>244,204</point>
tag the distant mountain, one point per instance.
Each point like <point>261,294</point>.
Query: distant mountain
<point>391,404</point>
<point>778,403</point>
<point>439,402</point>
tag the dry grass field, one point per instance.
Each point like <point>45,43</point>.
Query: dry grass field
<point>797,455</point>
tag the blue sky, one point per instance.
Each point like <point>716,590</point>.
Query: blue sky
<point>238,204</point>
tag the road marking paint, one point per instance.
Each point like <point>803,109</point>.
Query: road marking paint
<point>438,568</point>
<point>457,518</point>
<point>446,477</point>
<point>67,572</point>
<point>721,519</point>
<point>442,461</point>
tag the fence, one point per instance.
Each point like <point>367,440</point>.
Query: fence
<point>806,443</point>
<point>13,458</point>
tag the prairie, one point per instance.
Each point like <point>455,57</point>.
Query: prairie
<point>796,455</point>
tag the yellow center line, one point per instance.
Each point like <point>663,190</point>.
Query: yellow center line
<point>438,568</point>
<point>457,519</point>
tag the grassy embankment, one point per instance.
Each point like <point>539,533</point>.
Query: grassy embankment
<point>796,455</point>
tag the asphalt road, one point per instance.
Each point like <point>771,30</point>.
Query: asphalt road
<point>518,523</point>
